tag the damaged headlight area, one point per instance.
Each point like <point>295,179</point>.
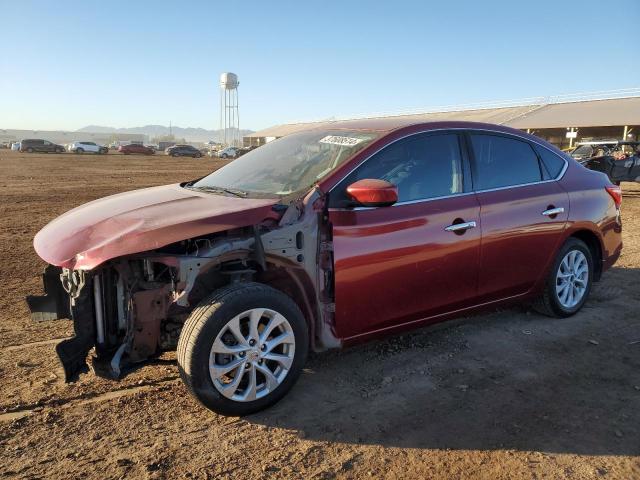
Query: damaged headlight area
<point>133,308</point>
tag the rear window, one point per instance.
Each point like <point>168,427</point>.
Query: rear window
<point>502,162</point>
<point>552,163</point>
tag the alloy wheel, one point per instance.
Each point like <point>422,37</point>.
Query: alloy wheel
<point>252,354</point>
<point>572,279</point>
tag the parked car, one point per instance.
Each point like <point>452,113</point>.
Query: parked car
<point>183,151</point>
<point>620,161</point>
<point>32,145</point>
<point>136,148</point>
<point>229,152</point>
<point>87,147</point>
<point>242,150</point>
<point>164,145</point>
<point>322,239</point>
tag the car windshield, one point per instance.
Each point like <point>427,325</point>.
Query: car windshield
<point>290,164</point>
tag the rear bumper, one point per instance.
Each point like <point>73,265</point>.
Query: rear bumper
<point>608,262</point>
<point>77,304</point>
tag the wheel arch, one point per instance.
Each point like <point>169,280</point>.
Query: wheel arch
<point>594,243</point>
<point>296,284</point>
<point>293,282</point>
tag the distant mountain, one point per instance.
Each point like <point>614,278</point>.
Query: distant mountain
<point>189,133</point>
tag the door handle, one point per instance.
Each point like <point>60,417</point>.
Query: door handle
<point>460,227</point>
<point>553,211</point>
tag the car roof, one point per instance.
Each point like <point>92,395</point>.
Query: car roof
<point>389,124</point>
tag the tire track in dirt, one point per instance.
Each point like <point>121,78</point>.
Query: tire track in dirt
<point>12,348</point>
<point>26,410</point>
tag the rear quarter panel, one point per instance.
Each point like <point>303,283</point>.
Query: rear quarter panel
<point>593,209</point>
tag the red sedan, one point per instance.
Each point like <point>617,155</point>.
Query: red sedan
<point>322,239</point>
<point>136,148</point>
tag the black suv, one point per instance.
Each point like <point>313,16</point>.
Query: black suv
<point>36,145</point>
<point>183,151</point>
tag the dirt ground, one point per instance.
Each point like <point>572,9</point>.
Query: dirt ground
<point>506,395</point>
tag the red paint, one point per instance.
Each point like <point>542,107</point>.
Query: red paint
<point>136,148</point>
<point>141,220</point>
<point>395,267</point>
<point>517,240</point>
<point>371,192</point>
<point>397,264</point>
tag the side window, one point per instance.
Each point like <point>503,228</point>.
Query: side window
<point>552,163</point>
<point>502,161</point>
<point>422,166</point>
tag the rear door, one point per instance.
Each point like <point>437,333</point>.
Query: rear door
<point>523,212</point>
<point>403,263</point>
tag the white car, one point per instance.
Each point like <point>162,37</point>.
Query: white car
<point>87,147</point>
<point>229,152</point>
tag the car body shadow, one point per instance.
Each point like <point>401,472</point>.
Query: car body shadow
<point>511,379</point>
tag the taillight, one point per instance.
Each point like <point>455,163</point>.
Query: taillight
<point>616,193</point>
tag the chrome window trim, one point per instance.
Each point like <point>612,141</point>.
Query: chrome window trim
<point>456,129</point>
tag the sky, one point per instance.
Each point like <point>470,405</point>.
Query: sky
<point>68,64</point>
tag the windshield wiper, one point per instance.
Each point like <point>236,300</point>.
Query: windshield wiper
<point>232,191</point>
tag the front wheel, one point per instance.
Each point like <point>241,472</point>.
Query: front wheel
<point>243,348</point>
<point>569,282</point>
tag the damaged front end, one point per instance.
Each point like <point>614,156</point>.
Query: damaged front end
<point>133,307</point>
<point>67,295</point>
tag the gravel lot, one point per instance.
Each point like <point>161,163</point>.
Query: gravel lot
<point>506,395</point>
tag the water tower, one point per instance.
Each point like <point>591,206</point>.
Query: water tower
<point>229,115</point>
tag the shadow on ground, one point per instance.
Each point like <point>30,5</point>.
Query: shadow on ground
<point>508,380</point>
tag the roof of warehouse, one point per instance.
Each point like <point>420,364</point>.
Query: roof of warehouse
<point>595,113</point>
<point>592,113</point>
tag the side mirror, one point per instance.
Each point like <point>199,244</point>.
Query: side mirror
<point>370,192</point>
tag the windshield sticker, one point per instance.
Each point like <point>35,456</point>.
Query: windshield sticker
<point>337,140</point>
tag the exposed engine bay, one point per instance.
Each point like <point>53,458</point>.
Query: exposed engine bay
<point>133,307</point>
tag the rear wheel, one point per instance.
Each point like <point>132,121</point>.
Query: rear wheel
<point>243,348</point>
<point>29,150</point>
<point>569,281</point>
<point>175,154</point>
<point>79,150</point>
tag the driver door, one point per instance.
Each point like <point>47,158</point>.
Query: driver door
<point>406,263</point>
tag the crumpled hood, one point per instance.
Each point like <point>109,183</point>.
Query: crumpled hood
<point>142,220</point>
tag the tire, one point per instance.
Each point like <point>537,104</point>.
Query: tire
<point>224,155</point>
<point>211,318</point>
<point>59,150</point>
<point>175,154</point>
<point>551,303</point>
<point>79,150</point>
<point>197,155</point>
<point>29,150</point>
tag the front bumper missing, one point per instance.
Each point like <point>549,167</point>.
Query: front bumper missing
<point>75,303</point>
<point>55,303</point>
